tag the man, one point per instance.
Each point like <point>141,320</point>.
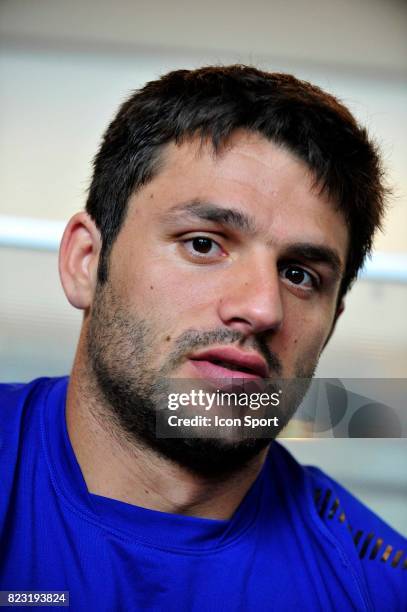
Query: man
<point>229,212</point>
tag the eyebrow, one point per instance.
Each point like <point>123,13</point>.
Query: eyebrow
<point>206,211</point>
<point>317,254</point>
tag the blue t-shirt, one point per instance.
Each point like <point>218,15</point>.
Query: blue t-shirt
<point>297,541</point>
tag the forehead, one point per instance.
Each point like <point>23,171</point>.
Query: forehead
<point>249,174</point>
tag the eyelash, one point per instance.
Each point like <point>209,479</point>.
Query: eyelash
<point>314,279</point>
<point>204,256</point>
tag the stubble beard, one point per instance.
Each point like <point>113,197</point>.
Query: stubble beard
<point>121,348</point>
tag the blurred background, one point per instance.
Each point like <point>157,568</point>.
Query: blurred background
<point>64,69</point>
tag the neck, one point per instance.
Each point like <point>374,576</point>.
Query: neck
<point>117,468</point>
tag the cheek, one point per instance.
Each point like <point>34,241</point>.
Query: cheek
<point>311,349</point>
<point>184,286</point>
<point>303,337</point>
<point>169,292</point>
<point>171,304</point>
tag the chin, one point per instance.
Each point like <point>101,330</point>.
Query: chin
<point>210,457</point>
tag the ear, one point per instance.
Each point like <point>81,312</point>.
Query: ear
<point>339,310</point>
<point>78,260</point>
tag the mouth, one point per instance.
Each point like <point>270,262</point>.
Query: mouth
<point>229,362</point>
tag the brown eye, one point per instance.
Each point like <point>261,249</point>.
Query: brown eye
<point>295,275</point>
<point>204,249</point>
<point>202,245</point>
<point>298,276</point>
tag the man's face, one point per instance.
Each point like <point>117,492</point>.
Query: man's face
<point>227,265</point>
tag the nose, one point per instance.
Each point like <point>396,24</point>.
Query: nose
<point>251,302</point>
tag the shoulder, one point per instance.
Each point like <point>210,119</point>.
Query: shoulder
<point>20,415</point>
<point>20,405</point>
<point>376,551</point>
<point>20,418</point>
<point>15,398</point>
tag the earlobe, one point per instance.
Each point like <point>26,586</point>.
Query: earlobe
<point>340,309</point>
<point>78,260</point>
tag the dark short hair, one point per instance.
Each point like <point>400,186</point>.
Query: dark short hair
<point>213,102</point>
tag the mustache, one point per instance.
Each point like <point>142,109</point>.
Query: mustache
<point>196,339</point>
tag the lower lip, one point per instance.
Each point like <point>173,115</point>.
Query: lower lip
<point>207,369</point>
